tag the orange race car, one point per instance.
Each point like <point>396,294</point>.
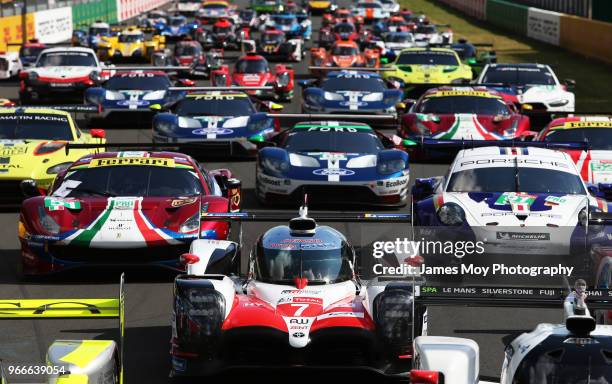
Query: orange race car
<point>342,14</point>
<point>344,54</point>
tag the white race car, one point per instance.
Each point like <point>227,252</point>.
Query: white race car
<point>391,6</point>
<point>395,42</point>
<point>427,35</point>
<point>10,65</point>
<point>64,72</point>
<point>371,10</point>
<point>533,84</point>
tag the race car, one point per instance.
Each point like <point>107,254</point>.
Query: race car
<point>62,72</point>
<point>275,46</point>
<point>10,65</point>
<point>516,200</point>
<point>392,24</point>
<point>595,163</point>
<point>473,55</point>
<point>321,6</point>
<point>128,96</point>
<point>188,7</point>
<point>334,163</point>
<point>130,43</point>
<point>213,10</point>
<point>32,146</point>
<point>92,36</point>
<point>177,28</point>
<point>224,34</point>
<point>153,19</point>
<point>7,102</point>
<point>394,43</point>
<point>533,84</point>
<point>343,54</point>
<point>370,10</point>
<point>220,122</point>
<point>189,53</point>
<point>247,18</point>
<point>28,52</point>
<point>253,70</point>
<point>455,113</point>
<point>299,306</point>
<point>341,15</point>
<point>343,30</point>
<point>391,6</point>
<point>267,6</point>
<point>350,92</point>
<point>290,25</point>
<point>124,208</point>
<point>416,67</point>
<point>429,35</point>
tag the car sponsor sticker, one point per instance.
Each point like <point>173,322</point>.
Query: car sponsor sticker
<point>588,124</point>
<point>333,172</point>
<point>601,166</point>
<point>552,201</point>
<point>181,201</point>
<point>519,236</point>
<point>212,131</point>
<point>11,151</point>
<point>54,204</point>
<point>120,161</point>
<point>509,198</point>
<point>331,315</point>
<point>129,103</point>
<point>463,93</point>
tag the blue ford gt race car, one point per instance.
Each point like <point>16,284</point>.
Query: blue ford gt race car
<point>333,162</point>
<point>132,93</point>
<point>221,122</point>
<point>350,92</point>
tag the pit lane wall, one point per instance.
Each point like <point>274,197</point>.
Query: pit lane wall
<point>590,38</point>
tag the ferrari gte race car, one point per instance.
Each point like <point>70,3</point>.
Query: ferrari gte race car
<point>219,122</point>
<point>274,46</point>
<point>61,72</point>
<point>132,93</point>
<point>123,208</point>
<point>131,43</point>
<point>595,163</point>
<point>456,113</point>
<point>335,163</point>
<point>253,70</point>
<point>302,305</point>
<point>428,66</point>
<point>349,92</point>
<point>533,84</point>
<point>32,147</point>
<point>343,54</point>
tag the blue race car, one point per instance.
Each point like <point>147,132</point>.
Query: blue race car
<point>349,92</point>
<point>177,28</point>
<point>292,24</point>
<point>221,121</point>
<point>333,162</point>
<point>132,93</point>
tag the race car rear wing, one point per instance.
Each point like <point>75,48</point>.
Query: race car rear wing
<point>213,88</point>
<point>346,217</point>
<point>107,308</point>
<point>356,69</point>
<point>168,68</point>
<point>458,144</point>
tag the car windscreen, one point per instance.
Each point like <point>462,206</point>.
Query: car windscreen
<point>177,22</point>
<point>138,81</point>
<point>66,59</point>
<point>283,262</point>
<point>343,50</point>
<point>400,38</point>
<point>98,30</point>
<point>598,138</point>
<point>463,104</point>
<point>30,51</point>
<point>131,180</point>
<point>221,29</point>
<point>227,106</point>
<point>369,5</point>
<point>353,84</point>
<point>427,58</point>
<point>344,28</point>
<point>272,38</point>
<point>187,50</point>
<point>34,126</point>
<point>519,179</point>
<point>131,38</point>
<point>426,29</point>
<point>214,6</point>
<point>519,76</point>
<point>251,66</point>
<point>283,20</point>
<point>321,140</point>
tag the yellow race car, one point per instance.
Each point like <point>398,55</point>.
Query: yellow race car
<point>130,43</point>
<point>32,146</point>
<point>429,66</point>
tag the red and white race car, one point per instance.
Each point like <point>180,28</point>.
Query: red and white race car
<point>302,304</point>
<point>62,72</point>
<point>344,54</point>
<point>253,70</point>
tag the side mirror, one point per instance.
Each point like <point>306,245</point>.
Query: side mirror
<point>400,107</point>
<point>97,133</point>
<point>526,107</point>
<point>156,107</point>
<point>570,84</point>
<point>28,188</point>
<point>592,188</point>
<point>271,106</point>
<point>408,103</point>
<point>186,82</point>
<point>423,188</point>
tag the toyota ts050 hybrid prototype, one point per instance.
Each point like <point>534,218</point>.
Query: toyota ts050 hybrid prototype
<point>32,146</point>
<point>123,208</point>
<point>335,163</point>
<point>302,304</point>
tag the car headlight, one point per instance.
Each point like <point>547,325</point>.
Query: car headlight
<point>164,127</point>
<point>258,126</point>
<point>191,224</point>
<point>156,95</point>
<point>392,166</point>
<point>32,76</point>
<point>559,103</point>
<point>47,222</point>
<point>313,99</point>
<point>376,96</point>
<point>49,147</point>
<point>58,167</point>
<point>283,79</point>
<point>275,166</point>
<point>332,96</point>
<point>110,95</point>
<point>451,214</point>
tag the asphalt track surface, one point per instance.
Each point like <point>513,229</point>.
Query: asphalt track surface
<point>149,294</point>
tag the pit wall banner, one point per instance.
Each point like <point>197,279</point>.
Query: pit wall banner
<point>544,25</point>
<point>53,25</point>
<point>126,9</point>
<point>11,29</point>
